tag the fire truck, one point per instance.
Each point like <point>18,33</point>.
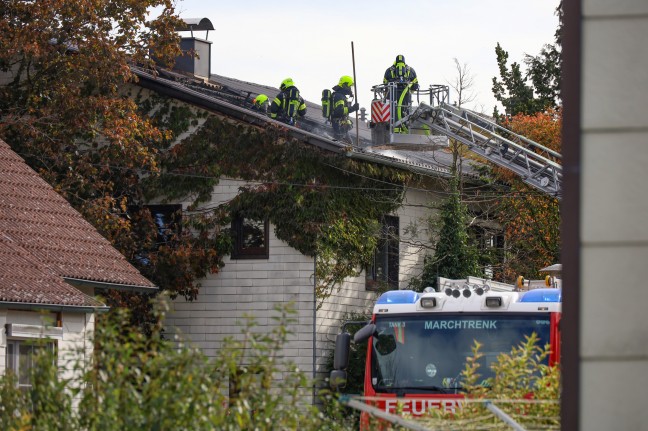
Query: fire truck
<point>418,342</point>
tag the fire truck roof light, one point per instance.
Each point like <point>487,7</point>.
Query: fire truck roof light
<point>543,295</point>
<point>398,297</point>
<point>428,302</point>
<point>494,301</point>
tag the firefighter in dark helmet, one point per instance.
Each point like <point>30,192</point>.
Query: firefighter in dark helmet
<point>406,82</point>
<point>288,104</point>
<point>342,106</point>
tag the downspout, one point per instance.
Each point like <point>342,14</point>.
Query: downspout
<point>314,325</point>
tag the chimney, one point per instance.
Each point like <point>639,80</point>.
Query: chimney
<point>199,65</point>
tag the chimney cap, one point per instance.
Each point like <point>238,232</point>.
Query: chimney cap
<point>192,24</point>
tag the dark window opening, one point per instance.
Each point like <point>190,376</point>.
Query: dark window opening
<point>383,272</point>
<point>250,238</point>
<point>490,244</point>
<point>167,219</point>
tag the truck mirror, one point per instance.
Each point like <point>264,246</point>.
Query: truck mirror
<point>341,354</point>
<point>338,379</point>
<point>364,333</point>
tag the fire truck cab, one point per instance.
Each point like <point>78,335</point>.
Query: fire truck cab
<point>418,342</point>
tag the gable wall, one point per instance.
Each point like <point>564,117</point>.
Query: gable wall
<point>74,345</point>
<point>254,286</point>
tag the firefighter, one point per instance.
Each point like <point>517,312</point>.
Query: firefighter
<point>406,81</point>
<point>288,104</point>
<point>342,107</point>
<point>260,103</point>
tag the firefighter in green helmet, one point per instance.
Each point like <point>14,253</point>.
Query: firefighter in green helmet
<point>342,99</point>
<point>260,103</point>
<point>288,104</point>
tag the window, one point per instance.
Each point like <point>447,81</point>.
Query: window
<point>383,273</point>
<point>489,240</point>
<point>20,358</point>
<point>168,223</point>
<point>167,219</point>
<point>250,238</point>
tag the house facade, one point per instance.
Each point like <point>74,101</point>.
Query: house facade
<point>52,261</point>
<point>264,271</point>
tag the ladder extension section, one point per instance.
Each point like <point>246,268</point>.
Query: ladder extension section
<point>537,165</point>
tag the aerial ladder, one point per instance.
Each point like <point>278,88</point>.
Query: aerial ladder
<point>394,125</point>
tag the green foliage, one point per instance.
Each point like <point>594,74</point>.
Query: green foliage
<point>321,204</point>
<point>524,387</point>
<point>140,382</point>
<point>543,70</point>
<point>455,254</point>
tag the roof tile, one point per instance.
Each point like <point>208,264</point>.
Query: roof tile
<point>38,221</point>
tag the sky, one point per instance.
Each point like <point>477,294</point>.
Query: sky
<point>265,41</point>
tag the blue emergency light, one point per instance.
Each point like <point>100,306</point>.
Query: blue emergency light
<point>398,297</point>
<point>543,295</point>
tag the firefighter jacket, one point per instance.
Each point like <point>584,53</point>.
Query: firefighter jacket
<point>287,105</point>
<point>341,107</point>
<point>403,75</point>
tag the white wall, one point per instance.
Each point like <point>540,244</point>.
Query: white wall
<point>254,286</point>
<point>73,345</point>
<point>614,204</point>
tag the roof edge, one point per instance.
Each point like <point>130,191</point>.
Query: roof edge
<point>78,282</point>
<point>53,307</point>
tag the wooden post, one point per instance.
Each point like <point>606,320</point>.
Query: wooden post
<point>355,90</point>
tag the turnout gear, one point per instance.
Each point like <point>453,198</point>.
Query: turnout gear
<point>288,104</point>
<point>406,81</point>
<point>260,103</point>
<point>342,107</point>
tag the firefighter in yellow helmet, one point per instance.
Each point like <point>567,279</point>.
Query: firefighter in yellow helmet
<point>260,103</point>
<point>288,104</point>
<point>342,98</point>
<point>406,82</point>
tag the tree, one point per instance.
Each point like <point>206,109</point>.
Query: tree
<point>64,65</point>
<point>463,84</point>
<point>69,106</point>
<point>531,219</point>
<point>512,90</point>
<point>454,255</point>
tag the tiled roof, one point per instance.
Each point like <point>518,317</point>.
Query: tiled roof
<point>240,93</point>
<point>24,280</point>
<point>47,230</point>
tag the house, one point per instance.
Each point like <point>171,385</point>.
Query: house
<point>264,270</point>
<point>52,261</point>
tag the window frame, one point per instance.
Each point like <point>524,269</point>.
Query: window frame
<point>240,252</point>
<point>13,361</point>
<point>388,252</point>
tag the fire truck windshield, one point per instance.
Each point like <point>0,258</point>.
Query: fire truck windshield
<point>427,353</point>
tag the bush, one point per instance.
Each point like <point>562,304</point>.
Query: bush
<point>139,382</point>
<point>524,388</point>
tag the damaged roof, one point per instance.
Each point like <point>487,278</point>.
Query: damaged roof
<point>46,245</point>
<point>234,97</point>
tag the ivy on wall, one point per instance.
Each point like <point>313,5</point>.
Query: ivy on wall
<point>322,204</point>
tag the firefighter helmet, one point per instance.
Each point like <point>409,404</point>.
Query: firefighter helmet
<point>286,83</point>
<point>346,81</point>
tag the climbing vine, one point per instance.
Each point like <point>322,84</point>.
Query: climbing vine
<point>322,204</point>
